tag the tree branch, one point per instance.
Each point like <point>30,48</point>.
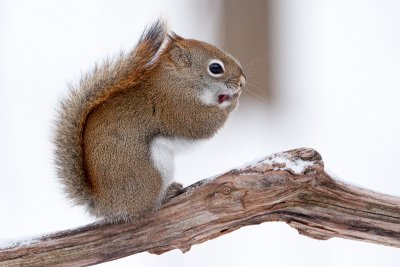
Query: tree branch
<point>290,186</point>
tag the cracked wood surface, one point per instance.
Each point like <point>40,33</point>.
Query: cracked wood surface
<point>290,186</point>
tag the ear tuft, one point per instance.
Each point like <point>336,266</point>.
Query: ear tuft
<point>174,36</point>
<point>155,34</point>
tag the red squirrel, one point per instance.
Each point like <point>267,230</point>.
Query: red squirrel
<point>117,132</point>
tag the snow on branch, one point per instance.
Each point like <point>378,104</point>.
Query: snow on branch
<point>291,187</point>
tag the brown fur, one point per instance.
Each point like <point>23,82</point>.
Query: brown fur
<point>106,126</point>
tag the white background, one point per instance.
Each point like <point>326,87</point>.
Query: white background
<point>336,82</point>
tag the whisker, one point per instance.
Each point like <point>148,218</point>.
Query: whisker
<point>259,94</point>
<point>224,36</point>
<point>256,60</point>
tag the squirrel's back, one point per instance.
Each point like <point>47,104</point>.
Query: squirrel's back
<point>112,77</point>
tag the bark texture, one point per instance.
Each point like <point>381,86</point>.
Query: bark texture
<point>291,187</point>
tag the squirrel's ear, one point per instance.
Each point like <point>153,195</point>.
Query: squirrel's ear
<point>178,53</point>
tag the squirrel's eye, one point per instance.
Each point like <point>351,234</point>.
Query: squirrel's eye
<point>216,68</point>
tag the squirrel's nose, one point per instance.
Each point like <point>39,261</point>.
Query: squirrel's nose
<point>242,81</point>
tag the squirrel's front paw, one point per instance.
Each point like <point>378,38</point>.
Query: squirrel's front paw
<point>173,190</point>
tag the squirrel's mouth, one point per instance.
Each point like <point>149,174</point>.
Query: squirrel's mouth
<point>227,97</point>
<point>223,97</point>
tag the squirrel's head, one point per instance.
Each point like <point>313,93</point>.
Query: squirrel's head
<point>205,72</point>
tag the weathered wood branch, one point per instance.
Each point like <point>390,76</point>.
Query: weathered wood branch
<point>290,186</point>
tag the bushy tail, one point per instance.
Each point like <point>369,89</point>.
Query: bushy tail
<point>104,81</point>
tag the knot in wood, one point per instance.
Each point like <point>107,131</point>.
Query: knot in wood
<point>225,190</point>
<point>226,199</point>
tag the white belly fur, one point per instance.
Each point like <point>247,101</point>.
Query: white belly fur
<point>163,150</point>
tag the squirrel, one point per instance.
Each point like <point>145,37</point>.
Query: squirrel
<point>116,134</point>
